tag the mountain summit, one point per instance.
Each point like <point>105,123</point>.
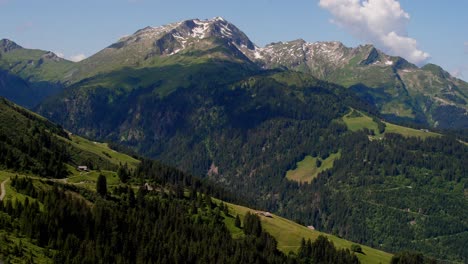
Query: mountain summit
<point>401,91</point>
<point>7,45</point>
<point>173,38</point>
<point>193,39</point>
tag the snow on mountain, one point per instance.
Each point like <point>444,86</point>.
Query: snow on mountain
<point>184,34</point>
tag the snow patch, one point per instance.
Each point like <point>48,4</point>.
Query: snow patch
<point>258,55</point>
<point>200,30</point>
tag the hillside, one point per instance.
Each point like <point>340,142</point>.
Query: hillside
<point>247,134</point>
<point>31,195</point>
<point>34,145</point>
<point>356,121</point>
<point>245,128</point>
<point>27,76</point>
<point>196,95</point>
<point>289,235</point>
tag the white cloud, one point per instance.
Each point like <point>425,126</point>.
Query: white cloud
<point>77,57</point>
<point>381,22</point>
<point>59,54</point>
<point>460,72</point>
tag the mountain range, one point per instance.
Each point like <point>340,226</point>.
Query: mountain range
<point>401,91</point>
<point>199,95</point>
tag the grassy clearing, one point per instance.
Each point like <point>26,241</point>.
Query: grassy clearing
<point>356,120</point>
<point>307,170</point>
<point>89,179</point>
<point>103,151</point>
<point>289,235</point>
<point>408,132</point>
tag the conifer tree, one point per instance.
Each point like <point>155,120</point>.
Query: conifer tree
<point>101,185</point>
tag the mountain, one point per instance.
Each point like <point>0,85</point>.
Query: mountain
<point>189,42</point>
<point>400,90</point>
<point>28,76</point>
<point>42,214</point>
<point>205,103</point>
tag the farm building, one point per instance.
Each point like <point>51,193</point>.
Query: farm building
<point>265,214</point>
<point>82,168</point>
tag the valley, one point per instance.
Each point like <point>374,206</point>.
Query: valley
<point>361,145</point>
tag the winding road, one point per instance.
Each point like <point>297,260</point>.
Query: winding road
<point>3,189</point>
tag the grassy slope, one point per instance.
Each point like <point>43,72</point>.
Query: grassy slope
<point>26,63</point>
<point>11,194</point>
<point>11,240</point>
<point>289,235</point>
<point>103,151</point>
<point>306,170</point>
<point>355,123</point>
<point>29,250</point>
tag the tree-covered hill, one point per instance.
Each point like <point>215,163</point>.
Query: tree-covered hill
<point>151,213</point>
<point>30,143</point>
<point>247,132</point>
<point>190,95</point>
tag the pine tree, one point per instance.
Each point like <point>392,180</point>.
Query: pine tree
<point>237,223</point>
<point>101,185</point>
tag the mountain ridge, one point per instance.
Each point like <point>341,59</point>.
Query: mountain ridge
<point>403,92</point>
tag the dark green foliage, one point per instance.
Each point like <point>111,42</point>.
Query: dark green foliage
<point>123,173</point>
<point>356,248</point>
<point>252,225</point>
<point>158,229</point>
<point>237,222</point>
<point>25,92</point>
<point>323,251</point>
<point>27,143</point>
<point>246,133</point>
<point>411,258</point>
<point>397,193</point>
<point>380,124</point>
<point>318,163</point>
<point>101,185</point>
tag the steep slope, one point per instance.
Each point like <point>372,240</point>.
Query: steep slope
<point>402,91</point>
<point>247,134</point>
<point>216,114</point>
<point>41,218</point>
<point>289,235</point>
<point>28,76</point>
<point>32,144</point>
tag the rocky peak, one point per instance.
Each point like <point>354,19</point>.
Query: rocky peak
<point>49,55</point>
<point>7,45</point>
<point>173,38</point>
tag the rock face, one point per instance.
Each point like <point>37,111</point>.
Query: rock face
<point>7,45</point>
<point>401,91</point>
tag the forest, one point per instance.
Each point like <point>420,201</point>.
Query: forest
<point>129,226</point>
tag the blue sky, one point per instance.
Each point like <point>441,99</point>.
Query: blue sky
<point>423,31</point>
